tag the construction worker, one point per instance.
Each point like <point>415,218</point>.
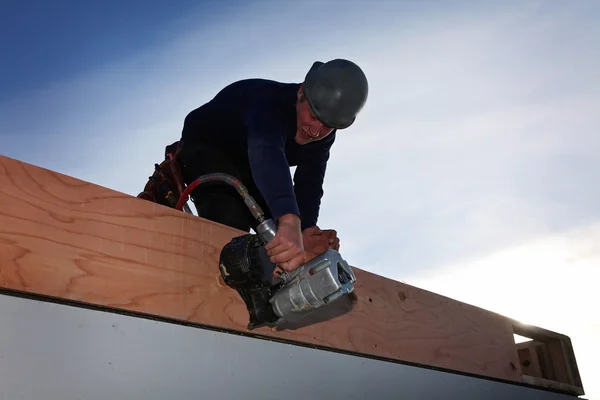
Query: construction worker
<point>255,130</point>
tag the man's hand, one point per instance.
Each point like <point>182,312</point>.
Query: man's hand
<point>287,249</point>
<point>317,241</point>
<point>334,240</point>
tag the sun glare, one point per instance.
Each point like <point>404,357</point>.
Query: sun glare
<point>548,283</point>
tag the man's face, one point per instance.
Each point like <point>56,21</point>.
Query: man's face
<point>308,127</point>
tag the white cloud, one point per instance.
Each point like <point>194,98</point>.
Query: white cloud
<point>478,135</point>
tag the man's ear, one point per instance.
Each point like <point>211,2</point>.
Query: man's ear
<point>301,93</point>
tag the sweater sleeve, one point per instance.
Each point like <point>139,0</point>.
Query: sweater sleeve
<point>268,163</point>
<point>308,185</point>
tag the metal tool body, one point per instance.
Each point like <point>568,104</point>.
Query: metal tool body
<point>270,301</point>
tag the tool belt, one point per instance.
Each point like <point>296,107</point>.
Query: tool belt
<point>166,184</point>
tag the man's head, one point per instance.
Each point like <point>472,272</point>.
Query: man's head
<point>331,97</point>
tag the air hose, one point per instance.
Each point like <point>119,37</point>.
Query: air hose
<point>255,209</point>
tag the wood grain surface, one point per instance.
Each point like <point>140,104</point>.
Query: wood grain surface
<point>63,237</point>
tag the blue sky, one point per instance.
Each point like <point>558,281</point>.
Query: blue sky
<point>473,162</point>
<point>61,38</point>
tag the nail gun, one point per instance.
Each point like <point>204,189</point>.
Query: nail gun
<point>270,301</point>
<point>245,267</point>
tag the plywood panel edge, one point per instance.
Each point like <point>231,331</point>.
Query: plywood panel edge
<point>63,237</point>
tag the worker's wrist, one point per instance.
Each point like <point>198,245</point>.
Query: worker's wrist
<point>312,227</point>
<point>289,219</point>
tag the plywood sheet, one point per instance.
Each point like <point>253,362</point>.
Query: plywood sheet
<point>63,237</point>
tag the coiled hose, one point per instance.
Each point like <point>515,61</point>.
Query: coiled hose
<point>255,209</point>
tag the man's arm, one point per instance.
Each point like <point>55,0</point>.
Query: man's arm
<point>308,186</point>
<point>309,191</point>
<point>268,163</point>
<point>271,173</point>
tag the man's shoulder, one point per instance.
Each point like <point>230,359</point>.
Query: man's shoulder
<point>269,100</point>
<point>260,85</point>
<point>264,84</point>
<point>267,89</point>
<point>253,92</point>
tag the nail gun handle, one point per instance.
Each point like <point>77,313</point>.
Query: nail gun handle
<point>267,231</point>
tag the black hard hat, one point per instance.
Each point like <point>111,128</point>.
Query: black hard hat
<point>336,92</point>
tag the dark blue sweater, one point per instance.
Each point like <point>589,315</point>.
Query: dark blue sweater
<point>254,120</point>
